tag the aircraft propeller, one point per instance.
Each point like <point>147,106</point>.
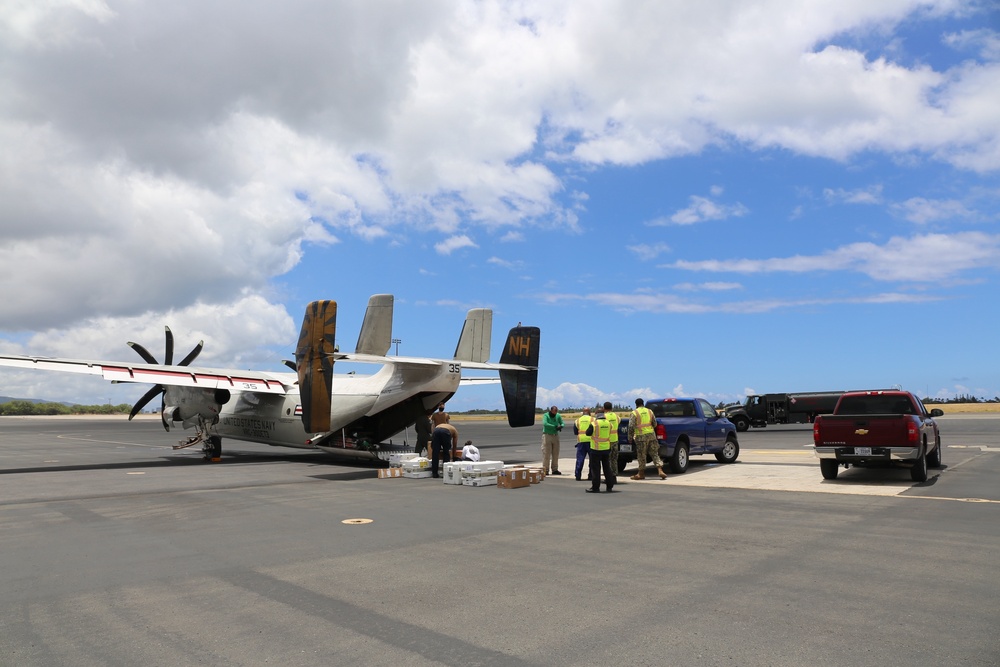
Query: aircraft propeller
<point>168,360</point>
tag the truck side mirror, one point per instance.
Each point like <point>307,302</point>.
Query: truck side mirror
<point>937,412</point>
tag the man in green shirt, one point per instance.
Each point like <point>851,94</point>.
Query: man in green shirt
<point>552,423</point>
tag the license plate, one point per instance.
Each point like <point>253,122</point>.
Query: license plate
<point>862,451</point>
<point>625,448</point>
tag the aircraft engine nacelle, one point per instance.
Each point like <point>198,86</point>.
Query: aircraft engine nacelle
<point>189,405</point>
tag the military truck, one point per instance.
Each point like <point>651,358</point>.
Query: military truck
<point>799,408</point>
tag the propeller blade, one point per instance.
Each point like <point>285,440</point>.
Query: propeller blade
<point>143,352</point>
<point>169,358</point>
<point>291,364</point>
<point>146,398</point>
<point>192,354</point>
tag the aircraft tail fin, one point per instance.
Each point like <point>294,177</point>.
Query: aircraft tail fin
<point>520,386</point>
<point>474,343</point>
<point>376,329</point>
<point>314,364</point>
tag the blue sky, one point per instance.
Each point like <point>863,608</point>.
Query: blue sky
<point>714,201</point>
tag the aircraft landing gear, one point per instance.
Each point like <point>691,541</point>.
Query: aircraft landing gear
<point>211,448</point>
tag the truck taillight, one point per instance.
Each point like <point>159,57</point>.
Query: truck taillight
<point>912,434</point>
<point>661,432</point>
<point>816,440</point>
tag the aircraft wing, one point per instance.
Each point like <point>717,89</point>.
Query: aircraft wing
<point>428,361</point>
<point>378,359</point>
<point>486,366</point>
<point>178,376</point>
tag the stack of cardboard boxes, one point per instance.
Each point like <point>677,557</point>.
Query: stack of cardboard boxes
<point>396,461</point>
<point>519,476</point>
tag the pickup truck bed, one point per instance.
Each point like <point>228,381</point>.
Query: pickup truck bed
<point>685,427</point>
<point>878,428</point>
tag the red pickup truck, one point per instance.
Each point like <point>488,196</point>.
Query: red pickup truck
<point>878,428</point>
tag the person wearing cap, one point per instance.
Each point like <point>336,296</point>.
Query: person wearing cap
<point>614,419</point>
<point>552,423</point>
<point>600,451</point>
<point>642,432</point>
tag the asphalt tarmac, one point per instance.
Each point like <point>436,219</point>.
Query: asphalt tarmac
<point>117,550</point>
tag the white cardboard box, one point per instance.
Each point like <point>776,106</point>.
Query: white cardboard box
<point>479,481</point>
<point>397,458</point>
<point>453,473</point>
<point>419,463</point>
<point>481,466</point>
<point>480,469</point>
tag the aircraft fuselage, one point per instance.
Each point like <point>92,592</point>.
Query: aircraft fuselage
<point>365,409</point>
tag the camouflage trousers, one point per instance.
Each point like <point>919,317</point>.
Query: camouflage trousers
<point>647,446</point>
<point>614,458</point>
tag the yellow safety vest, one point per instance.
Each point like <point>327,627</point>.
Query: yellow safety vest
<point>644,421</point>
<point>615,420</point>
<point>602,434</point>
<point>582,424</point>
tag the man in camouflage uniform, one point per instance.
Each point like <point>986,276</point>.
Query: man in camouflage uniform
<point>642,432</point>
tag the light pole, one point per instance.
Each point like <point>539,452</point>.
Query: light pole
<point>396,342</point>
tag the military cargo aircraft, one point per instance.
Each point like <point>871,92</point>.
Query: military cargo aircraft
<point>312,407</point>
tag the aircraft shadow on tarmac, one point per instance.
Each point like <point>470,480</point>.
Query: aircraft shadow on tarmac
<point>362,468</point>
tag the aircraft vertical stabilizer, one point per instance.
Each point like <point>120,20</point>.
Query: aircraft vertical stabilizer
<point>376,329</point>
<point>474,343</point>
<point>520,387</point>
<point>314,362</point>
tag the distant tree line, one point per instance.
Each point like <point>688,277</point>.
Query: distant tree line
<point>21,408</point>
<point>614,406</point>
<point>962,398</point>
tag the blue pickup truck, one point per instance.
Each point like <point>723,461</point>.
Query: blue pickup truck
<point>685,427</point>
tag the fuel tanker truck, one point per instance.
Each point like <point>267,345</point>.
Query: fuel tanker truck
<point>800,408</point>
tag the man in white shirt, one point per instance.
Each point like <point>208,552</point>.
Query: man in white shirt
<point>470,452</point>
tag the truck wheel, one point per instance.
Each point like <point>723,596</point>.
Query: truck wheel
<point>918,473</point>
<point>741,424</point>
<point>679,461</point>
<point>729,451</point>
<point>934,458</point>
<point>622,462</point>
<point>829,468</point>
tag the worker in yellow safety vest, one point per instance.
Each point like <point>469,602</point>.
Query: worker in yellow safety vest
<point>615,420</point>
<point>642,432</point>
<point>584,429</point>
<point>600,451</point>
